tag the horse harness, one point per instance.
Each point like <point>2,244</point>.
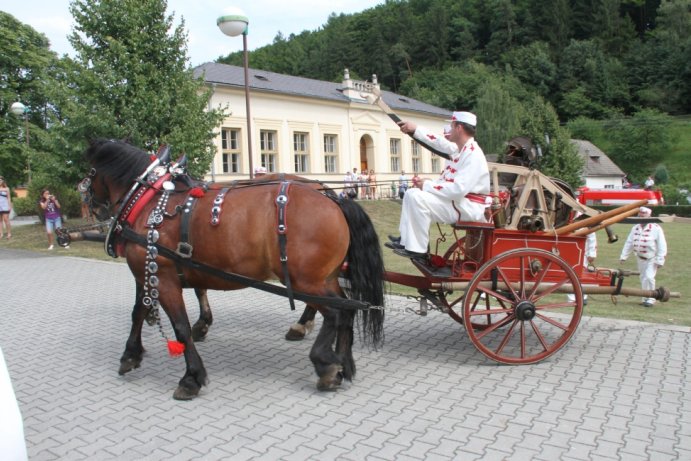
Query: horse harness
<point>159,178</point>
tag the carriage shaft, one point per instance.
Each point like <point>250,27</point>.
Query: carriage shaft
<point>661,293</point>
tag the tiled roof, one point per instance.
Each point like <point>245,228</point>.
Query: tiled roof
<point>596,162</point>
<point>262,80</point>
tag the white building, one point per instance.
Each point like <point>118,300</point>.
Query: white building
<point>599,171</point>
<point>314,128</point>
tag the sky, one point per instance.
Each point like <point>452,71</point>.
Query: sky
<point>205,42</point>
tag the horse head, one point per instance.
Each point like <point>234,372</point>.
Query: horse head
<point>115,166</point>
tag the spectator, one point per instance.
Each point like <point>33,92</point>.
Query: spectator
<point>647,241</point>
<point>649,183</point>
<point>348,186</point>
<point>84,200</point>
<point>5,209</point>
<point>372,185</point>
<point>259,171</point>
<point>417,181</point>
<point>588,261</point>
<point>402,185</point>
<point>52,212</point>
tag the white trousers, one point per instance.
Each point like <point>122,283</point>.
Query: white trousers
<point>648,270</point>
<point>421,209</point>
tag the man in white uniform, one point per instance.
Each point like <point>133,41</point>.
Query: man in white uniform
<point>464,182</point>
<point>647,241</point>
<point>588,260</point>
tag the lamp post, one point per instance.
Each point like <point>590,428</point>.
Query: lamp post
<point>233,24</point>
<point>18,108</point>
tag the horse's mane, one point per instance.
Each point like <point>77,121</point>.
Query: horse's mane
<point>120,161</point>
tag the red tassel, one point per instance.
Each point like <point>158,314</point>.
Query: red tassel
<point>197,192</point>
<point>175,348</point>
<point>152,157</point>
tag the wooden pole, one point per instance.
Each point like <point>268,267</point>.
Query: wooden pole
<point>605,223</point>
<point>598,218</point>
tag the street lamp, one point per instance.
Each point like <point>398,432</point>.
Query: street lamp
<point>233,24</point>
<point>18,108</point>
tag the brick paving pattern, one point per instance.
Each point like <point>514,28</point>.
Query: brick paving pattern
<point>618,390</point>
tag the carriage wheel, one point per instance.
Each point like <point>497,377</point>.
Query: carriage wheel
<point>455,306</point>
<point>524,318</point>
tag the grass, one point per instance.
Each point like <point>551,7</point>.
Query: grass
<point>675,275</point>
<point>385,214</point>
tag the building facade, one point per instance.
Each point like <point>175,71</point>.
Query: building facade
<point>313,128</point>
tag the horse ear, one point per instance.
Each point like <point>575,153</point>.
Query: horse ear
<point>164,154</point>
<point>182,161</point>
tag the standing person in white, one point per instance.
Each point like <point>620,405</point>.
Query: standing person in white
<point>588,260</point>
<point>647,242</point>
<point>464,183</point>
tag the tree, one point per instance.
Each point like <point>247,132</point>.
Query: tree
<point>559,158</point>
<point>639,142</point>
<point>499,115</point>
<point>25,60</point>
<point>130,80</point>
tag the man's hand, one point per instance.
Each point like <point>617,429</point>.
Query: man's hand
<point>407,127</point>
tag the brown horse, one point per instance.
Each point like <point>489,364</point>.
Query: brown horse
<point>320,234</point>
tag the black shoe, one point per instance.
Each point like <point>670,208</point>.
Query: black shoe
<point>411,254</point>
<point>394,246</point>
<point>394,239</point>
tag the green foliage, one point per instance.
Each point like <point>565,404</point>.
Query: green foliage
<point>25,60</point>
<point>585,128</point>
<point>24,206</point>
<point>130,80</point>
<point>672,195</point>
<point>640,142</point>
<point>559,157</point>
<point>66,193</point>
<point>661,175</point>
<point>499,116</point>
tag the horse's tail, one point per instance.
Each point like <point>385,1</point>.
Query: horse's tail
<point>365,270</point>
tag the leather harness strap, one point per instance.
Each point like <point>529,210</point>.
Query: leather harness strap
<point>331,301</point>
<point>282,228</point>
<point>185,248</point>
<point>217,207</point>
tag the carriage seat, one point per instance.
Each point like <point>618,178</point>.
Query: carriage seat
<point>473,225</point>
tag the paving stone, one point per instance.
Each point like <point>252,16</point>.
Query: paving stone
<point>618,390</point>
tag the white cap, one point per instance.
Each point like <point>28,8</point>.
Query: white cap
<point>645,211</point>
<point>464,117</point>
<point>259,170</point>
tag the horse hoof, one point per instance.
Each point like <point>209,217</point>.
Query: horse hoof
<point>183,393</point>
<point>199,333</point>
<point>128,365</point>
<point>296,333</point>
<point>332,380</point>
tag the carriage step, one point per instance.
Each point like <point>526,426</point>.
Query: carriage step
<point>433,272</point>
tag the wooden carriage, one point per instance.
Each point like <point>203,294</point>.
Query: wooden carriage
<point>508,280</point>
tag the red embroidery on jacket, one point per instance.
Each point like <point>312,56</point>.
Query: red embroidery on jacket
<point>431,137</point>
<point>439,187</point>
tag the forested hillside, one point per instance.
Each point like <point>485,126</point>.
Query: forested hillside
<point>591,60</point>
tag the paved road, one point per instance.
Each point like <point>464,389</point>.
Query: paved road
<point>619,390</point>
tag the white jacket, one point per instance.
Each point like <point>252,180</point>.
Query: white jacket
<point>466,172</point>
<point>647,241</point>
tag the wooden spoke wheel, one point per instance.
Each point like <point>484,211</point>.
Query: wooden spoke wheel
<point>516,310</point>
<point>454,306</point>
